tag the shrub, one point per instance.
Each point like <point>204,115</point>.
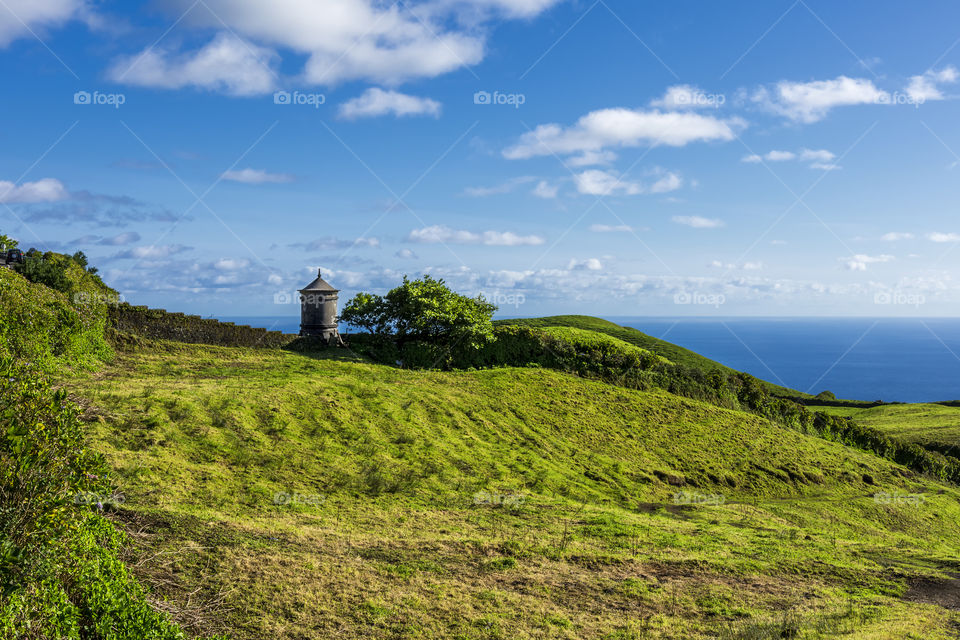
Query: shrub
<point>423,311</point>
<point>60,575</point>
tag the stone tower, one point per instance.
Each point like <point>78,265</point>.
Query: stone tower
<point>318,310</point>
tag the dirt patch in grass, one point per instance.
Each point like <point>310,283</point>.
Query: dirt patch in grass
<point>941,592</point>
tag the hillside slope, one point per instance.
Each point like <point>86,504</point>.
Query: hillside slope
<point>668,350</point>
<point>931,425</point>
<point>298,496</point>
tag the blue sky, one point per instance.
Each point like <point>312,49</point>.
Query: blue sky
<point>557,156</point>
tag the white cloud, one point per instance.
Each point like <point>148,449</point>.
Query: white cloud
<point>606,228</point>
<point>811,101</point>
<point>894,236</point>
<point>444,234</point>
<point>45,190</point>
<point>926,86</point>
<point>18,18</point>
<point>590,264</point>
<point>227,63</point>
<point>746,266</point>
<point>818,158</point>
<point>698,222</point>
<point>406,254</point>
<point>231,264</point>
<point>817,155</point>
<point>860,261</point>
<point>669,182</point>
<point>504,187</point>
<point>155,252</point>
<point>589,158</point>
<point>255,176</point>
<point>937,236</point>
<point>545,190</point>
<point>597,130</point>
<point>340,40</point>
<point>780,156</point>
<point>602,183</point>
<point>377,102</point>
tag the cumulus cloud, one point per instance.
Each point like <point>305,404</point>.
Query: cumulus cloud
<point>937,236</point>
<point>746,266</point>
<point>339,41</point>
<point>590,264</point>
<point>698,222</point>
<point>894,236</point>
<point>927,85</point>
<point>590,158</point>
<point>603,183</point>
<point>18,18</point>
<point>45,190</point>
<point>227,63</point>
<point>860,261</point>
<point>818,158</point>
<point>597,130</point>
<point>406,254</point>
<point>376,102</point>
<point>545,190</point>
<point>444,234</point>
<point>811,101</point>
<point>255,176</point>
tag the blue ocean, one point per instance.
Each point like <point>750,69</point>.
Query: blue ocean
<point>903,360</point>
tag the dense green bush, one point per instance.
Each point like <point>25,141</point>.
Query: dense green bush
<point>53,328</point>
<point>424,311</point>
<point>60,575</point>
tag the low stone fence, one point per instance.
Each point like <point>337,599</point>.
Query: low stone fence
<point>165,325</point>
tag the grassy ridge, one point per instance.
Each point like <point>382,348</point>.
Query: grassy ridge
<point>317,497</point>
<point>670,351</point>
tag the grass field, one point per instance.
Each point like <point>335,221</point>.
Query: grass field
<point>272,494</point>
<point>932,425</point>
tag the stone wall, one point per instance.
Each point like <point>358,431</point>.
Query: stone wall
<point>165,325</point>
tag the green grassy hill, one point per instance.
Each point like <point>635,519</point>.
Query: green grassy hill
<point>275,494</point>
<point>668,350</point>
<point>271,493</point>
<point>934,426</point>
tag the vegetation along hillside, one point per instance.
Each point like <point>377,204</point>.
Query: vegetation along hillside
<point>535,480</point>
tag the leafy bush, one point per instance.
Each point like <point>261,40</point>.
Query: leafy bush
<point>423,311</point>
<point>60,575</point>
<point>43,326</point>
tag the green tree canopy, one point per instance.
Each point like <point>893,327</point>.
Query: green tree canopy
<point>423,309</point>
<point>7,243</point>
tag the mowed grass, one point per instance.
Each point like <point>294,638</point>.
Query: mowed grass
<point>272,494</point>
<point>924,424</point>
